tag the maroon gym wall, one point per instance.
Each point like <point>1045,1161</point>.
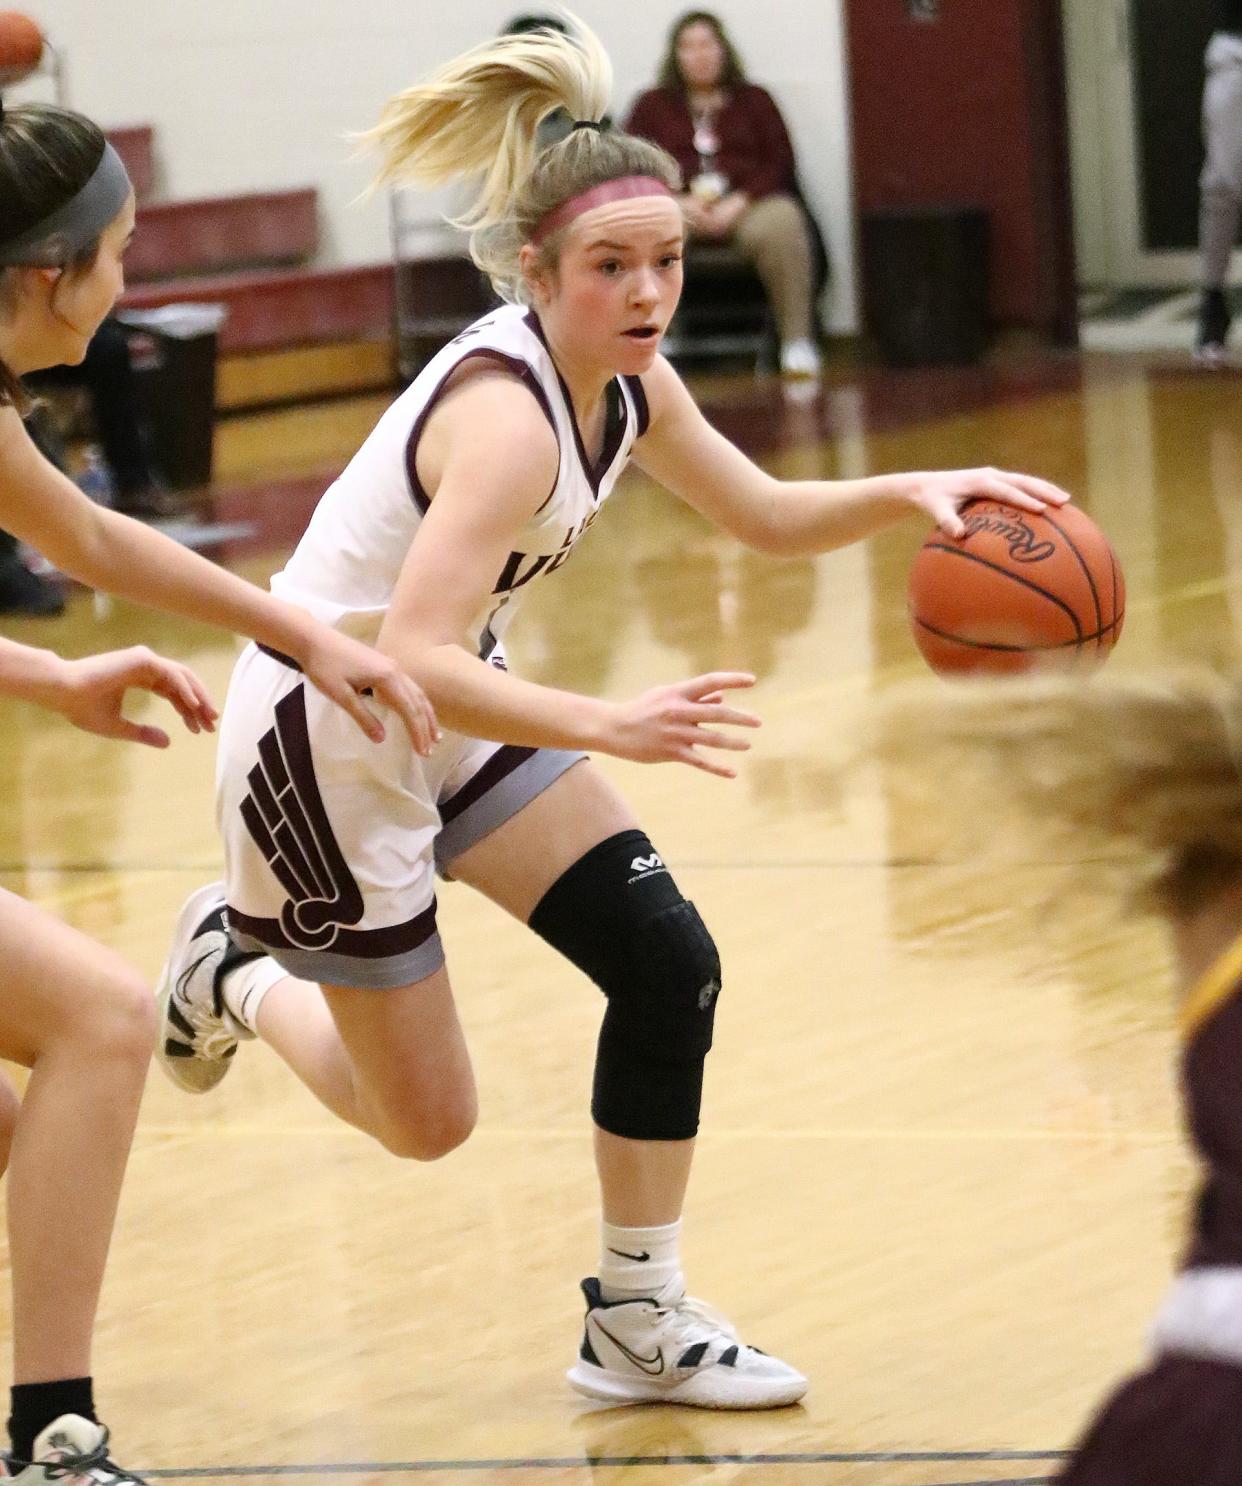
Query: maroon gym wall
<point>969,107</point>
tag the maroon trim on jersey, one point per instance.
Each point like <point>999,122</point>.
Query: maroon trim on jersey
<point>285,660</point>
<point>616,418</point>
<point>502,763</point>
<point>639,393</point>
<point>525,374</point>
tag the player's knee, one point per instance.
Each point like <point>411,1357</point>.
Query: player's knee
<point>428,1134</point>
<point>120,1022</point>
<point>657,1032</point>
<point>620,917</point>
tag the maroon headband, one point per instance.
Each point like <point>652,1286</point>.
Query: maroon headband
<point>622,189</point>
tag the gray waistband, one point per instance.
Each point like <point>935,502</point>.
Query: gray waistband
<point>58,238</point>
<point>1202,1315</point>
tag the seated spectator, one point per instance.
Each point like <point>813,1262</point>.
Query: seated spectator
<point>735,154</point>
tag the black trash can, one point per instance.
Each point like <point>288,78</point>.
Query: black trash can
<point>925,283</point>
<point>174,356</point>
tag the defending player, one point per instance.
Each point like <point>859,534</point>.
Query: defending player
<point>1144,774</point>
<point>73,1012</point>
<point>477,482</point>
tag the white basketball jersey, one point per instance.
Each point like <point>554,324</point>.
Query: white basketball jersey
<point>346,566</point>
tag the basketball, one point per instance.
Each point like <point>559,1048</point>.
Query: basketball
<point>21,46</point>
<point>1018,589</point>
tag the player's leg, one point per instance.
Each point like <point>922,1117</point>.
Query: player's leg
<point>80,1018</point>
<point>642,1182</point>
<point>10,1108</point>
<point>329,846</point>
<point>212,995</point>
<point>391,1061</point>
<point>573,864</point>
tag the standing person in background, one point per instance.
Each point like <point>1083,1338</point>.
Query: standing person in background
<point>72,1011</point>
<point>1221,183</point>
<point>735,155</point>
<point>106,373</point>
<point>1144,774</point>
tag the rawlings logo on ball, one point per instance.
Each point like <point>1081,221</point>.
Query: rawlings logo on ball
<point>1014,532</point>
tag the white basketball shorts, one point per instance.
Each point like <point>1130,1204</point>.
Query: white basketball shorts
<point>332,842</point>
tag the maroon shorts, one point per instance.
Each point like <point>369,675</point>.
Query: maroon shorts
<point>1178,1424</point>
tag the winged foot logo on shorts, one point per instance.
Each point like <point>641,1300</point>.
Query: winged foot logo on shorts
<point>285,815</point>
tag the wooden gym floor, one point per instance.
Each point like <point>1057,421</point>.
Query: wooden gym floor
<point>940,1170</point>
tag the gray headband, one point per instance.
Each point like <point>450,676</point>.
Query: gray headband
<point>60,237</point>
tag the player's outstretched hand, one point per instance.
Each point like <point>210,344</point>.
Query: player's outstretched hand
<point>343,668</point>
<point>670,724</point>
<point>91,693</point>
<point>943,493</point>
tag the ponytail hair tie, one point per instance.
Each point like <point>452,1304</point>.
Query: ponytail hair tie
<point>599,125</point>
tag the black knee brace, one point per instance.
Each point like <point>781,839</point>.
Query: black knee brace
<point>618,915</point>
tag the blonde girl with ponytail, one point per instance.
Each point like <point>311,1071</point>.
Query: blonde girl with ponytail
<point>476,483</point>
<point>1136,782</point>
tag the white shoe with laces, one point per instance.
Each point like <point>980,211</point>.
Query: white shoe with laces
<point>672,1349</point>
<point>71,1451</point>
<point>198,1035</point>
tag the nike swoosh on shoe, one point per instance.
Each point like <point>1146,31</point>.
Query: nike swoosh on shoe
<point>652,1366</point>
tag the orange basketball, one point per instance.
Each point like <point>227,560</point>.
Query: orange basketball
<point>21,46</point>
<point>1019,589</point>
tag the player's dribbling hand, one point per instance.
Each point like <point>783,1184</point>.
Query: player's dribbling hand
<point>91,693</point>
<point>670,724</point>
<point>943,493</point>
<point>343,668</point>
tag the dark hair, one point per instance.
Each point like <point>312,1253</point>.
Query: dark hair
<point>47,155</point>
<point>520,25</point>
<point>670,76</point>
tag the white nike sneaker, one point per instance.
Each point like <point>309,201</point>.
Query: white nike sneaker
<point>198,1035</point>
<point>71,1451</point>
<point>671,1349</point>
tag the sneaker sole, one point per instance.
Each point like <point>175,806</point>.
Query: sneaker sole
<point>711,1389</point>
<point>193,1075</point>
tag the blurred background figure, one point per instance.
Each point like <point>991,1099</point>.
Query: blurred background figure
<point>107,376</point>
<point>1221,185</point>
<point>23,591</point>
<point>736,158</point>
<point>1134,784</point>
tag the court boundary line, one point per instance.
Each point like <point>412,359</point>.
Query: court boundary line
<point>587,1461</point>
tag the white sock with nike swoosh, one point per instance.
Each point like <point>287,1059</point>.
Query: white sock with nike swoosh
<point>246,985</point>
<point>637,1262</point>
